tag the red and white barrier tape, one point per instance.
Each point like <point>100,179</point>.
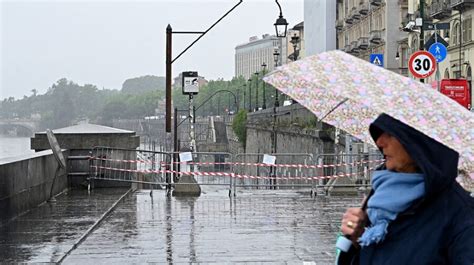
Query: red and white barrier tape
<point>244,164</point>
<point>224,174</point>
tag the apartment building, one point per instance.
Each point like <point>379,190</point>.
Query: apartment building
<point>365,27</point>
<point>250,56</point>
<point>458,14</point>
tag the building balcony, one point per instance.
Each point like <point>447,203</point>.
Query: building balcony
<point>364,8</point>
<point>403,71</point>
<point>339,25</point>
<point>376,37</point>
<point>403,2</point>
<point>347,48</point>
<point>355,47</point>
<point>460,4</point>
<point>376,2</point>
<point>355,13</point>
<point>440,9</point>
<point>363,43</point>
<point>349,20</point>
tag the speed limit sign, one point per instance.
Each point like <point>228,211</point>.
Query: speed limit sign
<point>422,64</point>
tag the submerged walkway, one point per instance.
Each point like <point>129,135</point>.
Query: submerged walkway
<point>255,226</point>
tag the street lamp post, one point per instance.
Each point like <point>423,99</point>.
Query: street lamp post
<point>280,24</point>
<point>170,61</point>
<point>250,94</point>
<point>245,87</point>
<point>264,105</point>
<point>295,39</point>
<point>256,91</point>
<point>276,55</point>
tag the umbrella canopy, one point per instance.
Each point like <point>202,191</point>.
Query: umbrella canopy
<point>350,93</point>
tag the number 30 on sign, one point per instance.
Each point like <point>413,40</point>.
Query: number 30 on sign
<point>422,64</point>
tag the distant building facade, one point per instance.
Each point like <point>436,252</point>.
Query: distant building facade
<point>366,27</point>
<point>250,56</point>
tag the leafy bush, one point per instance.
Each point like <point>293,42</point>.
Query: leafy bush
<point>239,126</point>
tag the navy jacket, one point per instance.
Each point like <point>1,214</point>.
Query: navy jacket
<point>439,228</point>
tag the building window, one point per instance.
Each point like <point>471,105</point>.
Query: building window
<point>446,73</point>
<point>455,31</point>
<point>467,30</point>
<point>414,45</point>
<point>405,57</point>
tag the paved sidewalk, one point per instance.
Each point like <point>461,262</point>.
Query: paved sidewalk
<point>258,226</point>
<point>253,227</point>
<point>47,232</point>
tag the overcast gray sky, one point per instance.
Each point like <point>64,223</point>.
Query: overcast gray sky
<point>106,42</point>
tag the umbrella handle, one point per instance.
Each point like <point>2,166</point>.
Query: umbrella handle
<point>345,250</point>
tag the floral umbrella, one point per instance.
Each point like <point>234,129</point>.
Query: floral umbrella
<point>350,93</point>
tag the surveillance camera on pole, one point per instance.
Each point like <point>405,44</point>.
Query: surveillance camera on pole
<point>409,26</point>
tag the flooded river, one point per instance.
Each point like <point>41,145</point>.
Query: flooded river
<point>14,146</point>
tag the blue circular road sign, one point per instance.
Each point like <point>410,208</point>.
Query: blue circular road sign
<point>439,51</point>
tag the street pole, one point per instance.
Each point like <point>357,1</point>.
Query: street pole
<point>169,62</point>
<point>276,55</point>
<point>250,94</point>
<point>422,32</point>
<point>460,43</point>
<point>256,91</point>
<point>245,88</point>
<point>264,106</point>
<point>192,139</point>
<point>169,31</point>
<point>437,75</point>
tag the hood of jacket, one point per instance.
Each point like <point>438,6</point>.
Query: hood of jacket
<point>436,161</point>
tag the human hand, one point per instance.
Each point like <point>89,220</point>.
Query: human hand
<point>353,223</point>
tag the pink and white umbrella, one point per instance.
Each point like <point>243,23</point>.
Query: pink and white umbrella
<point>350,93</point>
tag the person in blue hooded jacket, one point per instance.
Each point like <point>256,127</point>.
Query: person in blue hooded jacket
<point>416,212</point>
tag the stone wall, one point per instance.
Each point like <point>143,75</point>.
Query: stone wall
<point>296,130</point>
<point>26,181</point>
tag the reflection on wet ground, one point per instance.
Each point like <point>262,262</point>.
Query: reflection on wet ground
<point>255,226</point>
<point>47,232</point>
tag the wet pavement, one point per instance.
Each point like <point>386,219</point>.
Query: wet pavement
<point>258,226</point>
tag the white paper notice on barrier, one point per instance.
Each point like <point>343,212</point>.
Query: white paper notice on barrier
<point>185,157</point>
<point>269,159</point>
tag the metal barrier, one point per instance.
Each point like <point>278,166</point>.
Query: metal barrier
<point>142,167</point>
<point>354,167</point>
<point>153,169</point>
<point>289,171</point>
<point>207,168</point>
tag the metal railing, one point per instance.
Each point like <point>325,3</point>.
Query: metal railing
<point>156,170</point>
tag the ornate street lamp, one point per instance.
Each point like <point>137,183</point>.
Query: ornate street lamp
<point>276,56</point>
<point>256,91</point>
<point>245,87</point>
<point>264,67</point>
<point>295,40</point>
<point>250,94</point>
<point>280,24</point>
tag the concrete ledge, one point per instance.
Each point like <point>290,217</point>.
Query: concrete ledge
<point>25,182</point>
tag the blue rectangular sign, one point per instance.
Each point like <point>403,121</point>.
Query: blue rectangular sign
<point>377,59</point>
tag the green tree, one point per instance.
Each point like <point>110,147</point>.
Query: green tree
<point>239,125</point>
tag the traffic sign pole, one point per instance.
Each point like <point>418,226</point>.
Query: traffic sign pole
<point>422,64</point>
